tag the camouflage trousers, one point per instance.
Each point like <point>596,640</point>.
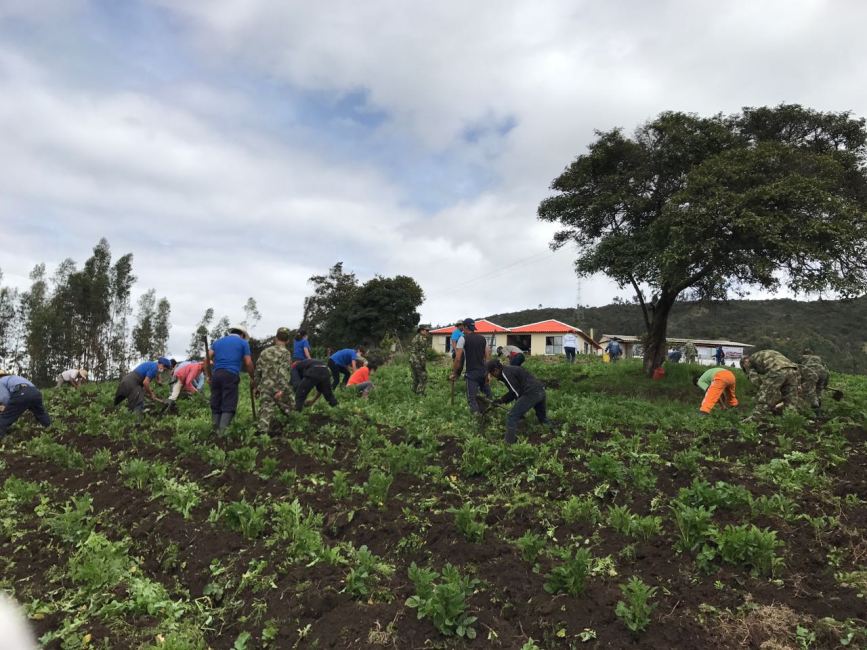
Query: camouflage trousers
<point>419,377</point>
<point>269,406</point>
<point>778,386</point>
<point>811,389</point>
<point>691,358</point>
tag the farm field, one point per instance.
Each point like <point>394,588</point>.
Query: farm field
<point>400,522</point>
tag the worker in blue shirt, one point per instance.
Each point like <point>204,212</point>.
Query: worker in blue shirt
<point>227,355</point>
<point>301,347</point>
<point>137,384</point>
<point>17,396</point>
<point>454,340</point>
<point>344,362</point>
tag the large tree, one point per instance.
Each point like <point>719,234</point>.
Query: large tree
<point>717,205</point>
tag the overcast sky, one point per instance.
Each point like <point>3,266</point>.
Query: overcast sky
<point>238,147</point>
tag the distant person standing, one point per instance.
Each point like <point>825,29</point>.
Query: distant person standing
<point>344,362</point>
<point>454,339</point>
<point>674,355</point>
<point>17,396</point>
<point>301,347</point>
<point>73,377</point>
<point>472,348</point>
<point>690,352</point>
<point>418,348</point>
<point>720,356</point>
<point>570,345</point>
<point>228,354</point>
<point>614,350</point>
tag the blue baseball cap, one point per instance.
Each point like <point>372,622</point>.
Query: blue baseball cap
<point>164,362</point>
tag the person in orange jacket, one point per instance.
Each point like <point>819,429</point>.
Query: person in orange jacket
<point>717,382</point>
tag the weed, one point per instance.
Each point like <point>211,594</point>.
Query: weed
<point>635,608</point>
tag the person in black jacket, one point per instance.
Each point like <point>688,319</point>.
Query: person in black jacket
<point>525,390</point>
<point>310,374</point>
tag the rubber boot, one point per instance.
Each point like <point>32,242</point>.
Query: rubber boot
<point>215,421</point>
<point>225,421</point>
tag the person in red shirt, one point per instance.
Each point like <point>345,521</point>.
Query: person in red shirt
<point>360,379</point>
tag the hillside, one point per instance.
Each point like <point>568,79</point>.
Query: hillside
<point>833,328</point>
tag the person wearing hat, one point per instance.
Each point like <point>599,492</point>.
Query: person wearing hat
<point>472,352</point>
<point>137,384</point>
<point>273,378</point>
<point>525,390</point>
<point>344,362</point>
<point>17,396</point>
<point>418,348</point>
<point>310,374</point>
<point>227,355</point>
<point>73,377</point>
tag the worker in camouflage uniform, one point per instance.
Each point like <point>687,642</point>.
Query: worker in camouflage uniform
<point>690,352</point>
<point>274,370</point>
<point>814,378</point>
<point>777,380</point>
<point>418,360</point>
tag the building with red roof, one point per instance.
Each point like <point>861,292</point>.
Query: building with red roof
<point>542,338</point>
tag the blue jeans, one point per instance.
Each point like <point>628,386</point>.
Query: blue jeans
<point>475,383</point>
<point>24,398</point>
<point>533,400</point>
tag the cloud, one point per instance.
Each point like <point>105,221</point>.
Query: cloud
<point>237,147</point>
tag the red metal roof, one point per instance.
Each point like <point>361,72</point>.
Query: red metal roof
<point>483,326</point>
<point>550,326</point>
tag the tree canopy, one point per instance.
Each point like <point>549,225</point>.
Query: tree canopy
<point>343,313</point>
<point>717,205</point>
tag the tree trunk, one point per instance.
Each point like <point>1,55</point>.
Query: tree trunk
<point>655,349</point>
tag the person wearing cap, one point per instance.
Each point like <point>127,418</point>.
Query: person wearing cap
<point>570,345</point>
<point>73,377</point>
<point>474,353</point>
<point>514,353</point>
<point>273,378</point>
<point>525,390</point>
<point>301,347</point>
<point>310,374</point>
<point>418,348</point>
<point>227,355</point>
<point>454,339</point>
<point>344,362</point>
<point>17,396</point>
<point>188,376</point>
<point>137,384</point>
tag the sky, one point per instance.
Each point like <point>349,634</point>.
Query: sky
<point>238,147</point>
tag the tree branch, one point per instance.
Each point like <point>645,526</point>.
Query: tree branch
<point>640,297</point>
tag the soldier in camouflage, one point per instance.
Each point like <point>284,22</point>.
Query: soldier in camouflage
<point>418,360</point>
<point>690,352</point>
<point>274,380</point>
<point>814,378</point>
<point>777,380</point>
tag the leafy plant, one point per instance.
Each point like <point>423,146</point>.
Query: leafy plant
<point>571,575</point>
<point>182,496</point>
<point>694,525</point>
<point>377,485</point>
<point>244,517</point>
<point>531,545</point>
<point>581,509</point>
<point>750,546</point>
<point>340,487</point>
<point>636,607</point>
<point>467,522</point>
<point>364,576</point>
<point>243,458</point>
<point>443,601</point>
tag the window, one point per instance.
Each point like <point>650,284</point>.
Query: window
<point>553,345</point>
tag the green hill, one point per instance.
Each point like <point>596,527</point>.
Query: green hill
<point>835,329</point>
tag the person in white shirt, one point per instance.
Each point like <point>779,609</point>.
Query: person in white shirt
<point>74,377</point>
<point>15,633</point>
<point>570,345</point>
